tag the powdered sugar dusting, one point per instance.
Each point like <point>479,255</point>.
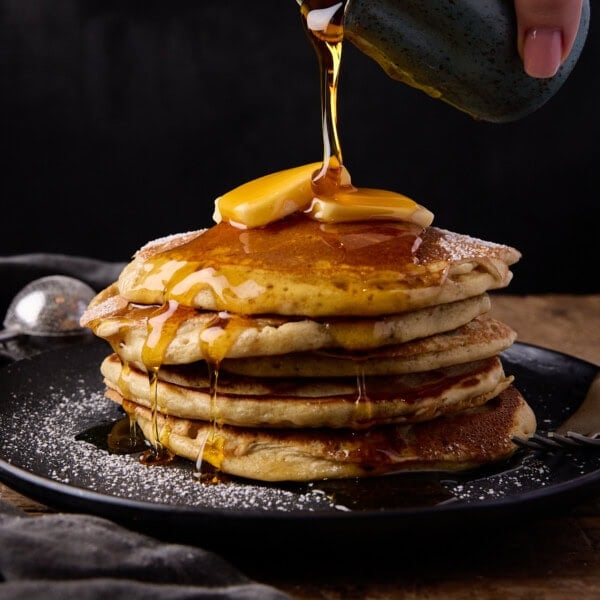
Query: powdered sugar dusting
<point>166,242</point>
<point>48,446</point>
<point>461,247</point>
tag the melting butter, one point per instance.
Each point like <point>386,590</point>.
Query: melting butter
<point>364,204</point>
<point>278,195</point>
<point>267,199</point>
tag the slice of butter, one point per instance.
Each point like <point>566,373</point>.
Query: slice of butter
<point>365,204</point>
<point>268,198</point>
<point>277,195</point>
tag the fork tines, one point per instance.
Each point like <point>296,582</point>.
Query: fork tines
<point>555,441</point>
<point>583,440</point>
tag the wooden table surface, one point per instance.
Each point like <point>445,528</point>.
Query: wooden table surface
<point>547,556</point>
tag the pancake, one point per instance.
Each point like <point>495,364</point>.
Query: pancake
<point>125,326</point>
<point>459,442</point>
<point>481,338</point>
<point>307,350</point>
<point>299,266</point>
<point>306,403</point>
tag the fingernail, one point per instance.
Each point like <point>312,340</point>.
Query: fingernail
<point>542,52</point>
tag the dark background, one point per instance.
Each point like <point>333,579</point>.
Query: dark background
<point>122,122</point>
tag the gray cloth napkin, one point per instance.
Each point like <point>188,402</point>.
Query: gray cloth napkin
<point>63,556</point>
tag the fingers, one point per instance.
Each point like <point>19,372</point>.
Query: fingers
<point>546,32</point>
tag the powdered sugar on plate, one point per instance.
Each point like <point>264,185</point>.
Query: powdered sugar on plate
<point>55,452</point>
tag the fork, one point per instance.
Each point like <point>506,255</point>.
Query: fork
<point>580,430</point>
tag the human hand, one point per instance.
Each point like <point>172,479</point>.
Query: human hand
<point>546,32</point>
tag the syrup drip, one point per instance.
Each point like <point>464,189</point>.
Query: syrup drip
<point>217,338</point>
<point>363,406</point>
<point>323,23</point>
<point>216,341</point>
<point>162,327</point>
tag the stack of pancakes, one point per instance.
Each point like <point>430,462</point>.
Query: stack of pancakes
<point>303,350</point>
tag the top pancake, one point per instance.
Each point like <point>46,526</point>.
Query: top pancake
<point>301,267</point>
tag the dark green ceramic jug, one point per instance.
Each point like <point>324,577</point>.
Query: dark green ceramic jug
<point>463,52</point>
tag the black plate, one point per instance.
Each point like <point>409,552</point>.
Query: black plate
<point>54,418</point>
